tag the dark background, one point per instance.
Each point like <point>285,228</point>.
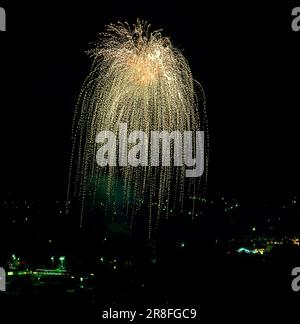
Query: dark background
<point>246,57</point>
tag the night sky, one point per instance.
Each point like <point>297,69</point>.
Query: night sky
<point>246,57</point>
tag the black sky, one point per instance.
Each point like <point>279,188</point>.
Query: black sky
<point>247,59</point>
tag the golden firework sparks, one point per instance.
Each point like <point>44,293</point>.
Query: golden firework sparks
<point>139,78</point>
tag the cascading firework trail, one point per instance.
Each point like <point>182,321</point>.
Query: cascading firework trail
<point>139,78</point>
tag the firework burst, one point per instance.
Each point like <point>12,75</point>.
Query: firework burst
<point>137,77</point>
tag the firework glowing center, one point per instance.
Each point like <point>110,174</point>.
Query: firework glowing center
<point>138,78</point>
<point>146,58</point>
<point>145,70</point>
